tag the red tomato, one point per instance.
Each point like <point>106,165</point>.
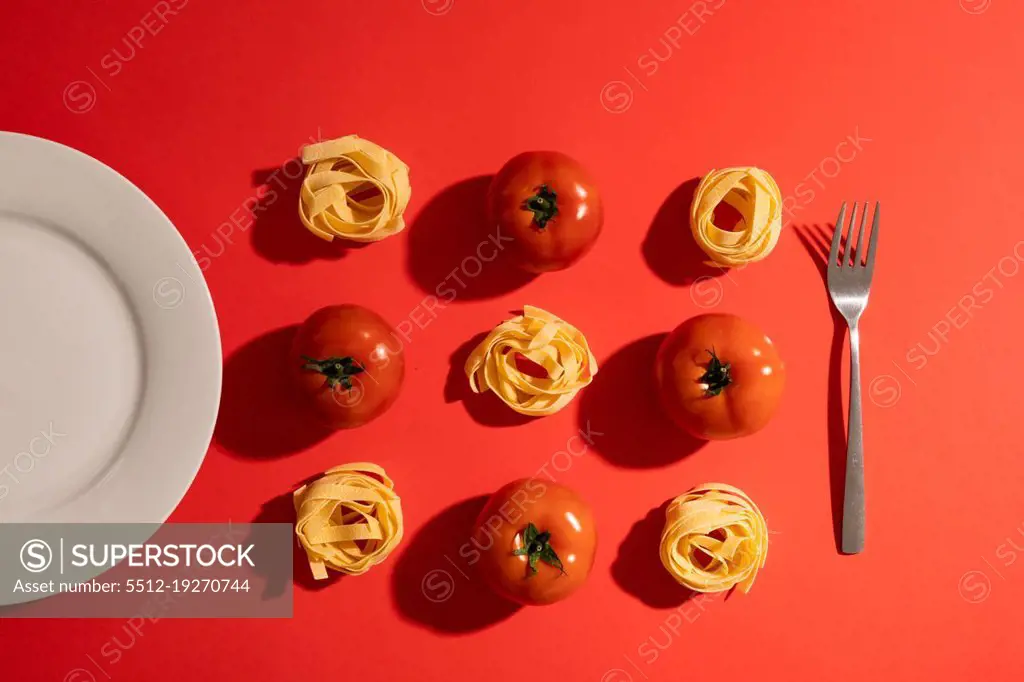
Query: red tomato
<point>548,204</point>
<point>719,376</point>
<point>537,540</point>
<point>348,363</point>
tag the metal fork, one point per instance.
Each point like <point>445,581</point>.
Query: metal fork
<point>849,280</point>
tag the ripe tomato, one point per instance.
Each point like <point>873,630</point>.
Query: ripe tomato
<point>548,204</point>
<point>537,541</point>
<point>344,366</point>
<point>719,376</point>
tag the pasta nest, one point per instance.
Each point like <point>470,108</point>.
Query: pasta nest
<point>544,339</point>
<point>756,197</point>
<point>353,189</point>
<point>714,538</point>
<point>349,519</point>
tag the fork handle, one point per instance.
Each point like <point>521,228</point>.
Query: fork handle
<point>853,498</point>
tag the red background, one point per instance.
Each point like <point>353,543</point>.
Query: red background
<point>227,91</point>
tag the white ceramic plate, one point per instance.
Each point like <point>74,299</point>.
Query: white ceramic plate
<point>110,358</point>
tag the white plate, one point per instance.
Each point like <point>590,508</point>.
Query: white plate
<point>110,358</point>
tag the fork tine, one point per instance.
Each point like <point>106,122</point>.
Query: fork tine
<point>857,247</point>
<point>833,255</point>
<point>847,256</point>
<point>873,243</point>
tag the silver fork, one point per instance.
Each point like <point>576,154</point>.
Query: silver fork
<point>849,280</point>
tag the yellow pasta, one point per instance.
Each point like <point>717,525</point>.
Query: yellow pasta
<point>541,337</point>
<point>714,538</point>
<point>349,519</point>
<point>353,189</point>
<point>754,194</point>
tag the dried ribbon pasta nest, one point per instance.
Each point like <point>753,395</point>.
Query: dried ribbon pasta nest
<point>754,194</point>
<point>714,539</point>
<point>349,519</point>
<point>537,335</point>
<point>353,189</point>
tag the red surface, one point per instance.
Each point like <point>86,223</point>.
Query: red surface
<point>225,93</point>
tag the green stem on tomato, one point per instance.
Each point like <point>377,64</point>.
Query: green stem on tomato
<point>536,547</point>
<point>544,205</point>
<point>716,377</point>
<point>338,371</point>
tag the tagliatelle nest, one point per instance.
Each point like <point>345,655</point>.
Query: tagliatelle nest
<point>353,189</point>
<point>349,519</point>
<point>714,538</point>
<point>754,194</point>
<point>544,339</point>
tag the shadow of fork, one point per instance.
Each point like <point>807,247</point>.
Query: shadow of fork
<point>817,241</point>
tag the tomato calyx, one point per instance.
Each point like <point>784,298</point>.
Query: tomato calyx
<point>339,371</point>
<point>716,377</point>
<point>543,204</point>
<point>536,549</point>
